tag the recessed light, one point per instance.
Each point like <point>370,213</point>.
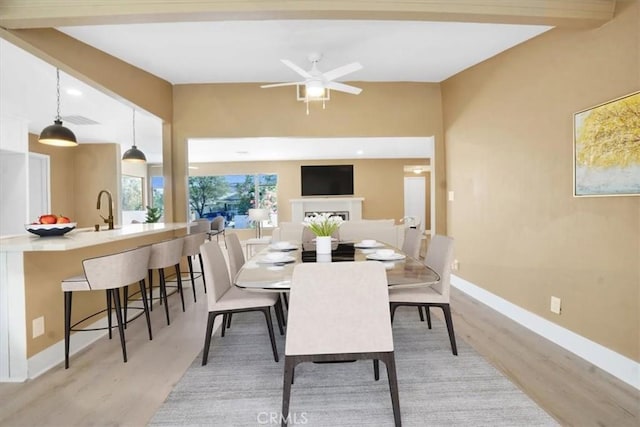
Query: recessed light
<point>359,152</point>
<point>242,152</point>
<point>74,92</point>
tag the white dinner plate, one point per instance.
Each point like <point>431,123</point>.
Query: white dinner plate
<point>363,246</point>
<point>283,260</point>
<point>395,257</point>
<point>283,248</point>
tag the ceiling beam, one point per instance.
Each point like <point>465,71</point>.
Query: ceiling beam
<point>16,14</point>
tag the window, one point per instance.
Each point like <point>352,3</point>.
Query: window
<point>231,196</point>
<point>132,195</point>
<point>157,192</point>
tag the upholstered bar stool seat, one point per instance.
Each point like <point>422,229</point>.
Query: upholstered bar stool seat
<point>109,273</point>
<point>164,255</point>
<point>190,249</point>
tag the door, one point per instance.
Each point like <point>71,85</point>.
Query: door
<point>415,199</point>
<point>39,202</point>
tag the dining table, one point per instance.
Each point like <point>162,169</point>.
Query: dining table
<point>271,268</point>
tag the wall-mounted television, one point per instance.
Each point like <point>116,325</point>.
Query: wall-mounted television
<point>327,180</point>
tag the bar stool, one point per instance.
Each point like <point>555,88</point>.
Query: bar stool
<point>191,248</point>
<point>165,254</point>
<point>110,273</point>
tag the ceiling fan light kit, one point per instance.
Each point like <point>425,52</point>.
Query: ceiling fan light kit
<point>56,134</point>
<point>317,85</point>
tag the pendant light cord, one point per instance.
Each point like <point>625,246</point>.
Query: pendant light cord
<point>58,91</point>
<point>134,127</point>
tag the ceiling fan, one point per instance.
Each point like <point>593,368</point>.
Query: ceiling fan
<point>315,82</point>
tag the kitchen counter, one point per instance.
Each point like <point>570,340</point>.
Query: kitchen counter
<point>82,237</point>
<point>31,269</point>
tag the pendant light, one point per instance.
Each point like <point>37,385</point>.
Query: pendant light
<point>56,134</point>
<point>133,154</point>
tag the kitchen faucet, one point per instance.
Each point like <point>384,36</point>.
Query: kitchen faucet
<point>109,219</point>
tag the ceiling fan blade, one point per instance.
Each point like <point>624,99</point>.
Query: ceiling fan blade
<point>281,84</point>
<point>341,87</point>
<point>296,68</point>
<point>342,71</point>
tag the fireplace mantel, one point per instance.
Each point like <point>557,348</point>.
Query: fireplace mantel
<point>352,205</point>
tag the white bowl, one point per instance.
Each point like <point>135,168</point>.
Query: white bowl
<point>276,256</point>
<point>368,242</point>
<point>385,253</point>
<point>283,244</point>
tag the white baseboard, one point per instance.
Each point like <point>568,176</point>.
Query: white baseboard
<point>53,355</point>
<point>608,360</point>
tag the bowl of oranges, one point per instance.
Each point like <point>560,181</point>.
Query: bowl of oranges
<point>50,225</point>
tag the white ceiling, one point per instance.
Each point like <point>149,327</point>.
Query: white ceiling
<point>249,51</point>
<point>243,51</point>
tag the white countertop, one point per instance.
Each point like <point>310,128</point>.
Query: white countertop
<point>82,237</point>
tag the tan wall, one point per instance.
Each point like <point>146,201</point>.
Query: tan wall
<point>61,166</point>
<point>519,232</point>
<point>97,167</point>
<point>77,175</point>
<point>380,182</point>
<point>245,110</point>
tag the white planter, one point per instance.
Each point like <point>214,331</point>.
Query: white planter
<point>323,244</point>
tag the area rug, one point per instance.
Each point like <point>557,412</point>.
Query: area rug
<point>242,385</point>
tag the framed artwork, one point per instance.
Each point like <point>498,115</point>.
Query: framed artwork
<point>606,148</point>
<point>132,193</point>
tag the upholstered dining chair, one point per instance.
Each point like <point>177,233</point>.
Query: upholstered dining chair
<point>411,243</point>
<point>236,256</point>
<point>109,273</point>
<point>201,225</point>
<point>217,228</point>
<point>439,258</point>
<point>236,261</point>
<point>223,298</point>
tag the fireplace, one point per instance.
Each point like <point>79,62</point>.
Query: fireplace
<point>342,214</point>
<point>349,207</point>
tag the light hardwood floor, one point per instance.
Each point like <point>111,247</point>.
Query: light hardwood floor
<point>99,389</point>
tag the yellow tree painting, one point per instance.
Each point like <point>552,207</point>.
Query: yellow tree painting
<point>607,148</point>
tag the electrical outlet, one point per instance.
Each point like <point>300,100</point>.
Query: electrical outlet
<point>455,266</point>
<point>555,305</point>
<point>451,196</point>
<point>38,327</point>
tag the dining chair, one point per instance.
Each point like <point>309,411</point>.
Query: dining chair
<point>217,228</point>
<point>109,273</point>
<point>412,242</point>
<point>200,225</point>
<point>236,261</point>
<point>439,257</point>
<point>223,298</point>
<point>339,312</point>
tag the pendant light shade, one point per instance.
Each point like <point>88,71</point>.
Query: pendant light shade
<point>56,134</point>
<point>133,154</point>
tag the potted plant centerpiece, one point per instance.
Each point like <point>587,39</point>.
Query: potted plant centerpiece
<point>323,225</point>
